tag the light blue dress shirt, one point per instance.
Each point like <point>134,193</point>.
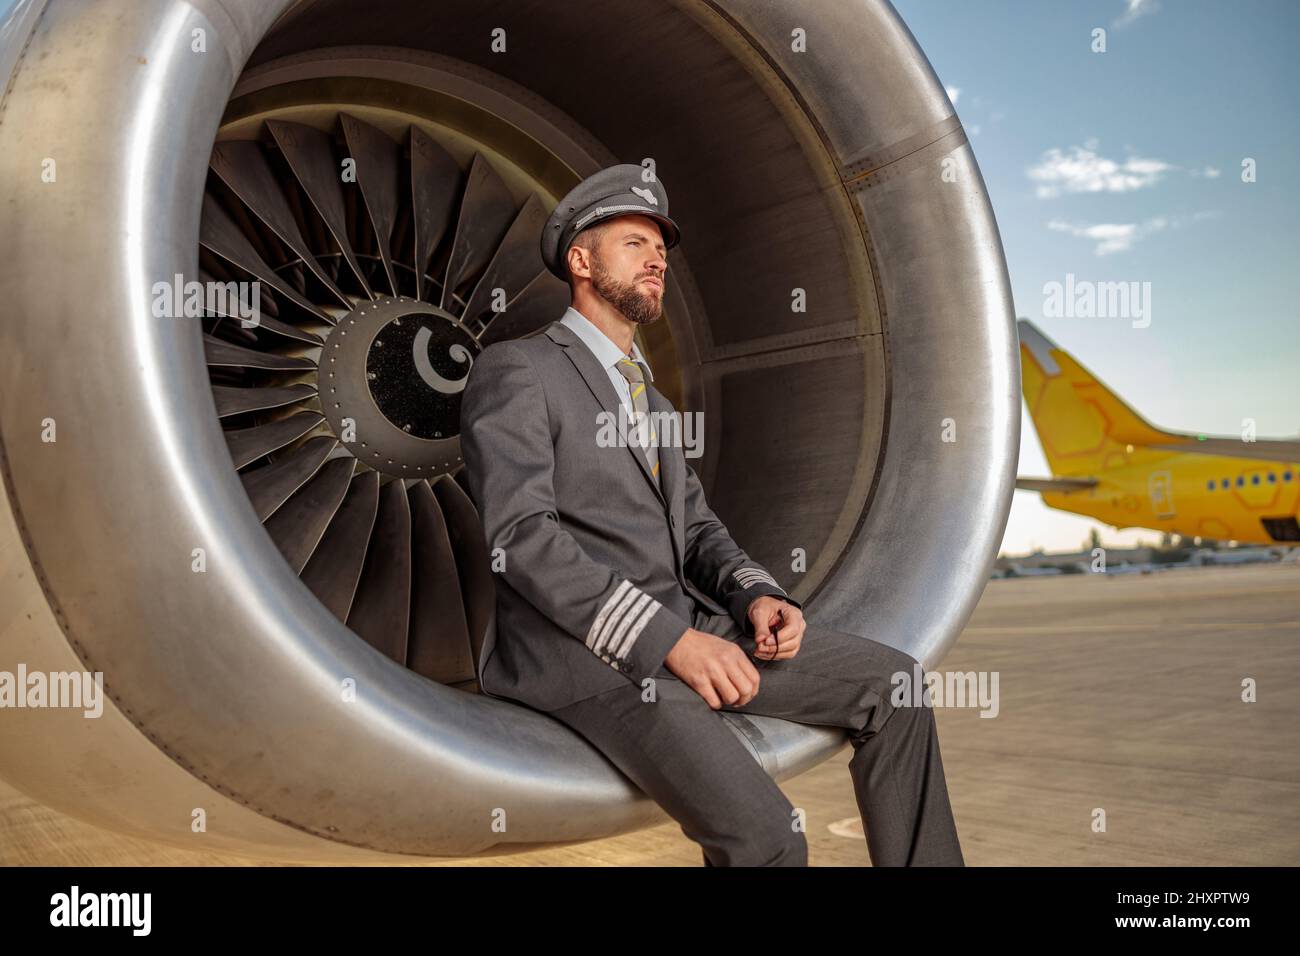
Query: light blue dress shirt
<point>607,354</point>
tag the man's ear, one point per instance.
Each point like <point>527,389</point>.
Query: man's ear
<point>579,260</point>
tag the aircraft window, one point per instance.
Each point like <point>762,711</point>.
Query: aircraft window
<point>1240,481</point>
<point>1210,484</point>
<point>1225,483</point>
<point>1286,476</point>
<point>1272,478</point>
<point>1254,479</point>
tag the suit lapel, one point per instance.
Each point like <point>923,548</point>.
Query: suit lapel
<point>607,398</point>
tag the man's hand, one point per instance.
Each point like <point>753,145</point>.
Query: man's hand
<point>714,667</point>
<point>778,628</point>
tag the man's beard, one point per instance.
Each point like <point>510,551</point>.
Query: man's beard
<point>636,306</point>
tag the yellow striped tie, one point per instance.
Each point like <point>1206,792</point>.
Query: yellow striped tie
<point>631,371</point>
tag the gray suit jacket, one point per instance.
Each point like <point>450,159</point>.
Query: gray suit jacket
<point>603,571</point>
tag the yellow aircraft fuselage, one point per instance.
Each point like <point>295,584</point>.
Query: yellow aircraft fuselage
<point>1193,495</point>
<point>1146,476</point>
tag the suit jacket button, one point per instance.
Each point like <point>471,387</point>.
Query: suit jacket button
<point>672,520</point>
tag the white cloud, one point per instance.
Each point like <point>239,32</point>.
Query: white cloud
<point>1134,9</point>
<point>1209,172</point>
<point>1114,237</point>
<point>1082,170</point>
<point>1110,236</point>
<point>953,92</point>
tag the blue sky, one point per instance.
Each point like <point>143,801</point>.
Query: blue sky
<point>1126,166</point>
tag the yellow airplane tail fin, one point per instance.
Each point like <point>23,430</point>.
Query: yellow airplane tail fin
<point>1084,427</point>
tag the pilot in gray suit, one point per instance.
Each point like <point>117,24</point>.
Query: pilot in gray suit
<point>624,607</point>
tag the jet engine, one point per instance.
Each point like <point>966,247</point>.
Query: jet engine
<point>259,533</point>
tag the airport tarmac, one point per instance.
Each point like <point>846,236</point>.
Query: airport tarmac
<point>1119,694</point>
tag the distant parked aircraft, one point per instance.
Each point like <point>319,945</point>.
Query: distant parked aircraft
<point>1111,464</point>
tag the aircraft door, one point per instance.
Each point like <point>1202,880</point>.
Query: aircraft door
<point>1160,487</point>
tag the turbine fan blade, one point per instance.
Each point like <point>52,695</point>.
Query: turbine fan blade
<point>439,645</point>
<point>536,307</point>
<point>271,486</point>
<point>473,564</point>
<point>517,262</point>
<point>334,569</point>
<point>216,264</point>
<point>381,610</point>
<point>435,183</point>
<point>249,444</point>
<point>242,166</point>
<point>220,233</point>
<point>297,527</point>
<point>218,352</point>
<point>262,317</point>
<point>236,401</point>
<point>486,212</point>
<point>378,173</point>
<point>286,330</point>
<point>310,154</point>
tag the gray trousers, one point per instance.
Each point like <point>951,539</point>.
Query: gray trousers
<point>679,751</point>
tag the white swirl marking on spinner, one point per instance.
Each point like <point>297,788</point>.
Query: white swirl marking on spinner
<point>427,372</point>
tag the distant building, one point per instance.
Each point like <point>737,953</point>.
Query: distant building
<point>1143,557</point>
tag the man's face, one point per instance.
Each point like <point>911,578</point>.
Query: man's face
<point>627,269</point>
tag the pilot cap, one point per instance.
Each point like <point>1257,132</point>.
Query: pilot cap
<point>616,191</point>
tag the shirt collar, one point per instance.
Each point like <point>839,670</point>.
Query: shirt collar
<point>601,345</point>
